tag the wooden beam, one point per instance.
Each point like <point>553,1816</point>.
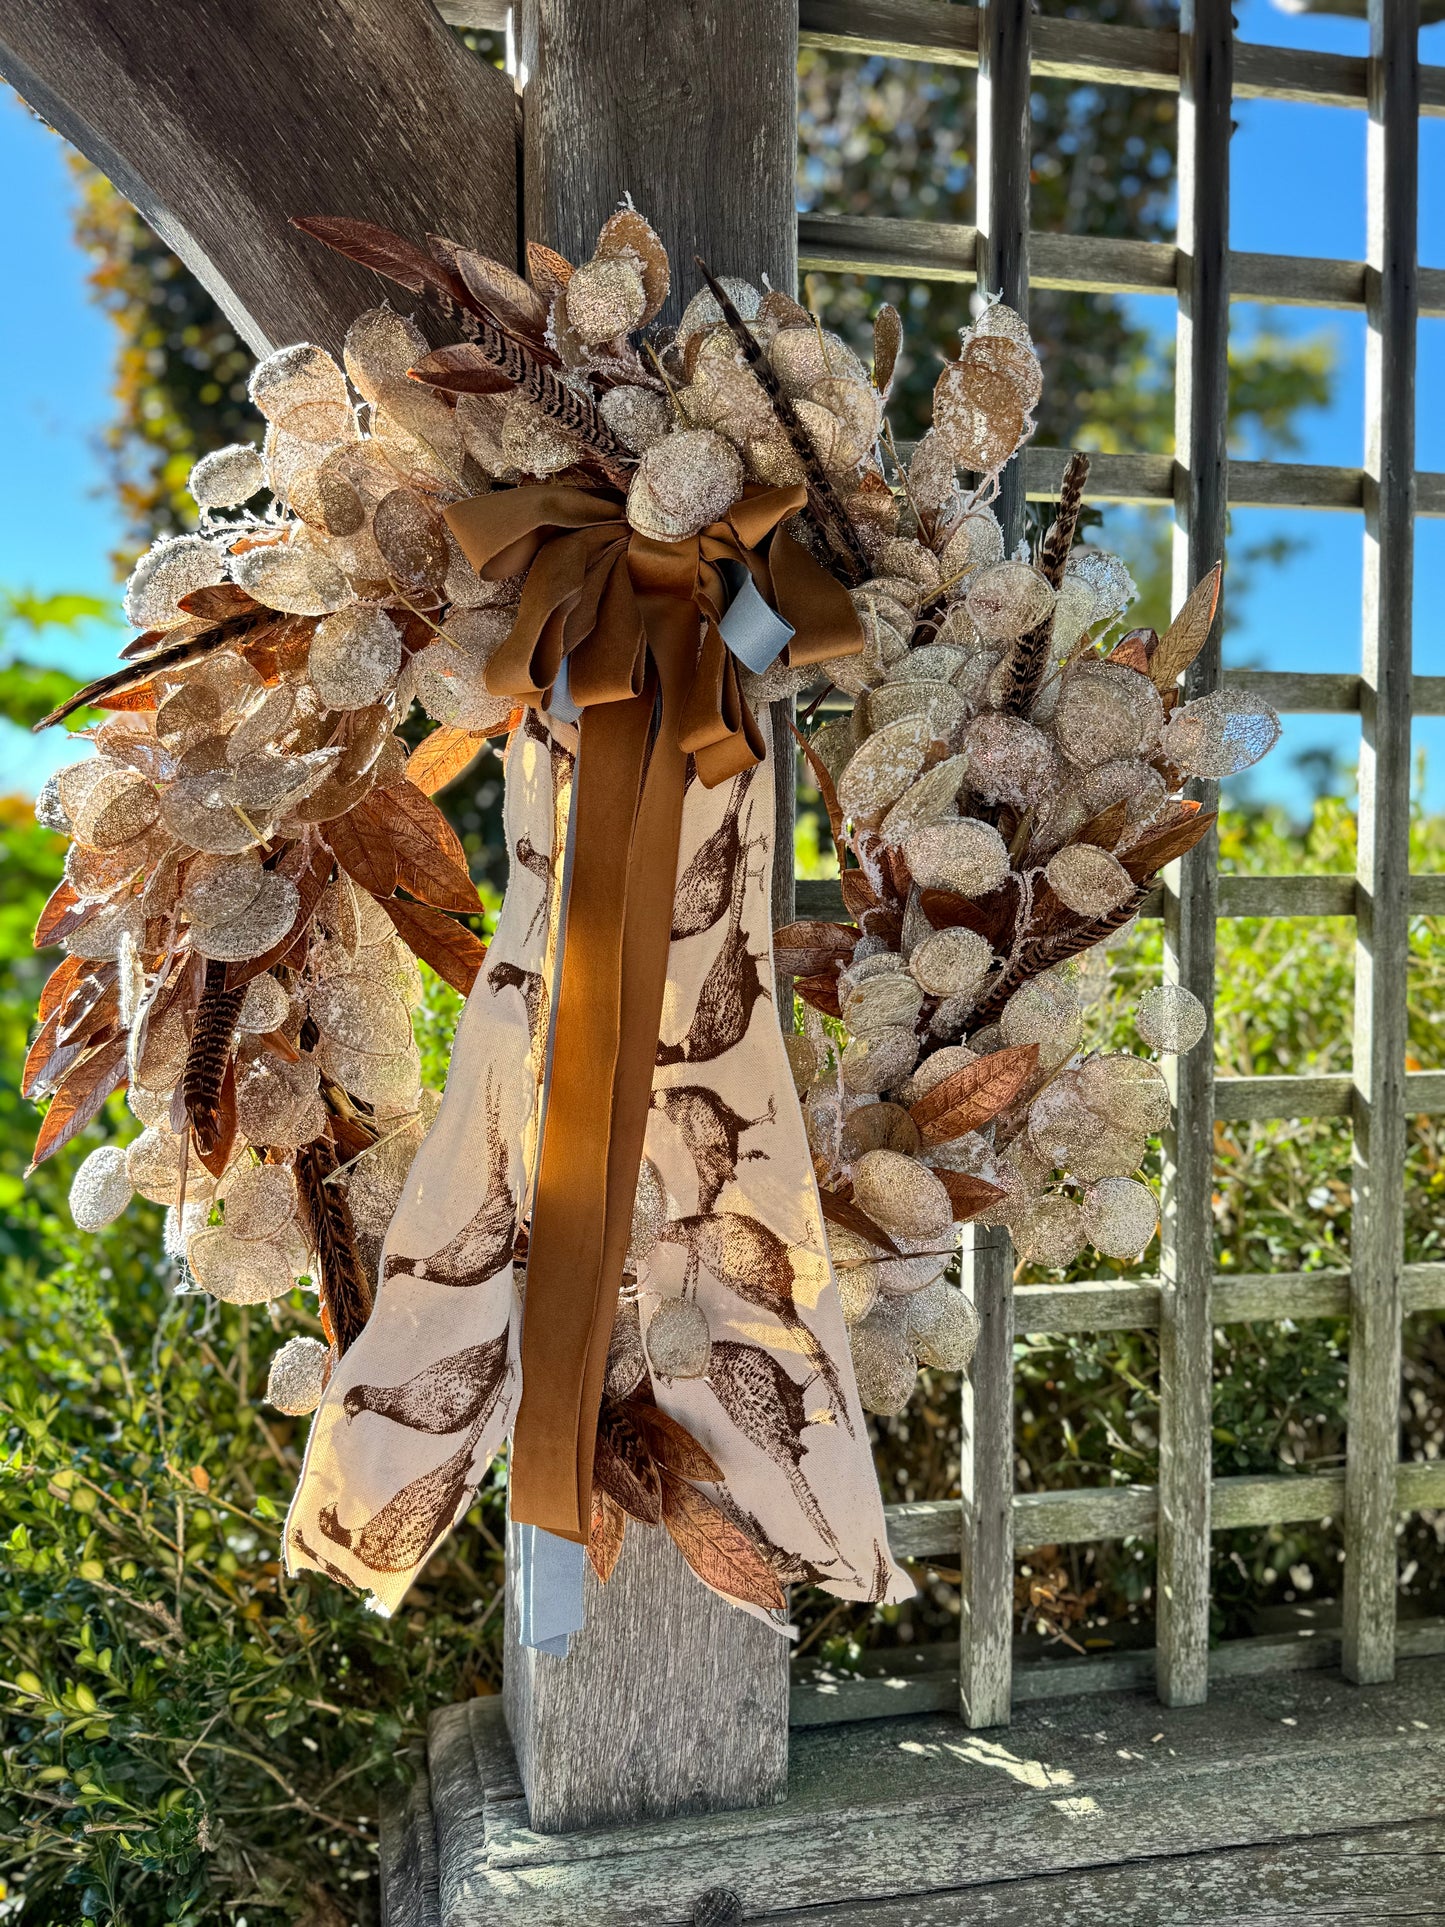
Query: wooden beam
<point>673,1700</point>
<point>1382,944</point>
<point>219,122</point>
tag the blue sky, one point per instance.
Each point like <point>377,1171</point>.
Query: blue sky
<point>1298,188</point>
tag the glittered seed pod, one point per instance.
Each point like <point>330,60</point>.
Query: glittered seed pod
<point>117,809</point>
<point>260,1201</point>
<point>854,1272</point>
<point>1008,760</point>
<point>238,1271</point>
<point>683,483</point>
<point>389,1079</point>
<point>802,357</point>
<point>805,1059</point>
<point>1129,1091</point>
<point>1220,735</point>
<point>933,1070</point>
<point>361,1015</point>
<point>380,347</point>
<point>303,392</point>
<point>974,542</point>
<point>952,963</point>
<point>966,856</point>
<point>884,1002</point>
<point>101,939</point>
<point>626,1358</point>
<point>901,1194</point>
<point>1105,712</point>
<point>605,298</point>
<point>227,477</point>
<point>942,1327</point>
<point>174,567</point>
<point>259,927</point>
<point>1087,880</point>
<point>883,1365</point>
<point>290,578</point>
<point>1007,599</point>
<point>878,1127</point>
<point>649,1214</point>
<point>703,312</point>
<point>354,658</point>
<point>1062,1125</point>
<point>100,1189</point>
<point>1120,1216</point>
<point>638,417</point>
<point>932,475</point>
<point>220,888</point>
<point>1050,1231</point>
<point>297,1376</point>
<point>1044,1011</point>
<point>1127,780</point>
<point>878,1061</point>
<point>277,1102</point>
<point>942,706</point>
<point>929,800</point>
<point>679,1342</point>
<point>887,764</point>
<point>1170,1018</point>
<point>1108,581</point>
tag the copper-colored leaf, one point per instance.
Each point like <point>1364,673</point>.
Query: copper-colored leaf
<point>465,369</point>
<point>1134,650</point>
<point>1150,855</point>
<point>969,1195</point>
<point>503,293</point>
<point>442,757</point>
<point>630,235</point>
<point>826,787</point>
<point>80,1096</point>
<point>851,1217</point>
<point>821,992</point>
<point>58,985</point>
<point>625,1469</point>
<point>398,838</point>
<point>859,896</point>
<point>139,696</point>
<point>887,340</point>
<point>945,911</point>
<point>1105,829</point>
<point>549,271</point>
<point>671,1444</point>
<point>971,1097</point>
<point>378,248</point>
<point>719,1552</point>
<point>221,602</point>
<point>91,1006</point>
<point>448,946</point>
<point>605,1534</point>
<point>807,949</point>
<point>1187,634</point>
<point>52,925</point>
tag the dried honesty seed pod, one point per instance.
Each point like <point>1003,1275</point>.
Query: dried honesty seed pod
<point>1044,1011</point>
<point>626,1358</point>
<point>391,1079</point>
<point>878,1061</point>
<point>220,888</point>
<point>802,357</point>
<point>100,1189</point>
<point>303,392</point>
<point>1220,735</point>
<point>703,312</point>
<point>1062,1125</point>
<point>886,765</point>
<point>100,940</point>
<point>238,1271</point>
<point>929,800</point>
<point>296,581</point>
<point>296,1380</point>
<point>260,1201</point>
<point>1007,599</point>
<point>882,1002</point>
<point>277,1103</point>
<point>928,663</point>
<point>1008,760</point>
<point>1105,712</point>
<point>933,1070</point>
<point>1087,880</point>
<point>684,482</point>
<point>878,1127</point>
<point>605,298</point>
<point>262,924</point>
<point>1134,783</point>
<point>805,1059</point>
<point>952,963</point>
<point>118,807</point>
<point>854,1273</point>
<point>360,1015</point>
<point>649,1214</point>
<point>266,1006</point>
<point>638,417</point>
<point>1108,581</point>
<point>1120,1216</point>
<point>942,1327</point>
<point>175,566</point>
<point>201,812</point>
<point>1170,1018</point>
<point>883,1364</point>
<point>354,657</point>
<point>1129,1091</point>
<point>380,347</point>
<point>679,1342</point>
<point>1050,1231</point>
<point>938,704</point>
<point>901,1194</point>
<point>227,477</point>
<point>966,856</point>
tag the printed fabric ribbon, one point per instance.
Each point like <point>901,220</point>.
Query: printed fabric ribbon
<point>631,629</point>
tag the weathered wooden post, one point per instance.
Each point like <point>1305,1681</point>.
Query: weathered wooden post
<point>670,1700</point>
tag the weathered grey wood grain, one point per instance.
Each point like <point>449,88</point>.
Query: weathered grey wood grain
<point>1376,1876</point>
<point>899,1810</point>
<point>669,1702</point>
<point>1381,923</point>
<point>408,1852</point>
<point>1206,48</point>
<point>934,30</point>
<point>987,1481</point>
<point>1005,155</point>
<point>1235,1299</point>
<point>220,122</point>
<point>1082,263</point>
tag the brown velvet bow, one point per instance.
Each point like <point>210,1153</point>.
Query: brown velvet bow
<point>637,621</point>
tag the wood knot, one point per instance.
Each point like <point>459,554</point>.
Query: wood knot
<point>718,1907</point>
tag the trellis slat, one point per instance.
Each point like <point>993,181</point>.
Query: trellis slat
<point>1237,1297</point>
<point>1381,927</point>
<point>1206,46</point>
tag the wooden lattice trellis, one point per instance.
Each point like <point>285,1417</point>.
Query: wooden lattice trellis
<point>1209,70</point>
